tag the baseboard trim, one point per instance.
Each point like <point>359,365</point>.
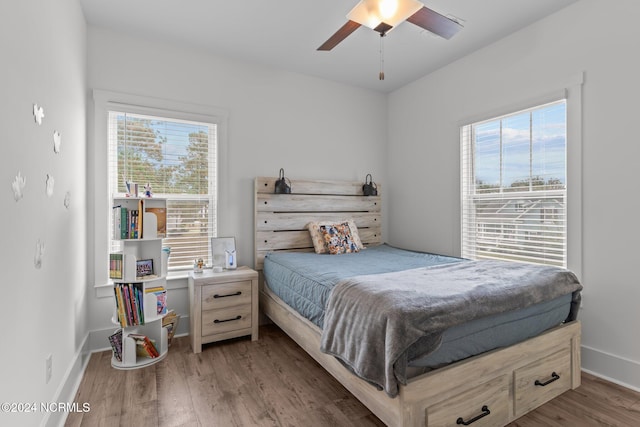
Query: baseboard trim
<point>616,369</point>
<point>68,388</point>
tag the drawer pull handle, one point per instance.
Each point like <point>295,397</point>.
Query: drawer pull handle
<point>228,295</point>
<point>238,317</point>
<point>485,412</point>
<point>554,377</point>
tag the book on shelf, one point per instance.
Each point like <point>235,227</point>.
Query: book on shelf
<point>120,306</point>
<point>161,298</point>
<point>127,223</point>
<point>133,298</point>
<point>144,346</point>
<point>170,321</point>
<point>161,216</point>
<point>128,309</point>
<point>139,219</point>
<point>116,344</point>
<point>117,222</point>
<point>115,265</point>
<point>129,303</point>
<point>133,224</point>
<point>121,217</point>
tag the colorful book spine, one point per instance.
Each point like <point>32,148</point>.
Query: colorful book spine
<point>134,304</point>
<point>140,217</point>
<point>129,303</point>
<point>124,223</point>
<point>120,306</point>
<point>140,302</point>
<point>115,265</point>
<point>133,215</point>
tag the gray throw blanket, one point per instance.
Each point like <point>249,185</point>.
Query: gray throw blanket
<point>371,321</point>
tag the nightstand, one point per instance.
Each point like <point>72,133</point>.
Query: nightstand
<point>223,305</point>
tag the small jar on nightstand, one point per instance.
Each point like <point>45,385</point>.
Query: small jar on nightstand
<point>223,305</point>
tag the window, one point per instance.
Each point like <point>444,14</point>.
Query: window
<point>177,158</point>
<point>514,186</point>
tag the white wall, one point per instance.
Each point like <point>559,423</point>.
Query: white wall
<point>43,51</point>
<point>311,127</point>
<point>591,36</point>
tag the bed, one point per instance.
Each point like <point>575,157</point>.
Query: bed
<point>535,359</point>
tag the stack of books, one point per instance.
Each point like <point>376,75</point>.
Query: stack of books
<point>115,265</point>
<point>127,223</point>
<point>129,303</point>
<point>144,346</point>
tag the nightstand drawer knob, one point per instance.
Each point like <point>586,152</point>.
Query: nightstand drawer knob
<point>228,295</point>
<point>238,317</point>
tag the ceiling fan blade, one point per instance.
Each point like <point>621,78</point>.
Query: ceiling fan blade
<point>340,35</point>
<point>432,21</point>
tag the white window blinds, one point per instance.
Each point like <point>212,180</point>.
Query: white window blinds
<point>177,158</point>
<point>514,186</point>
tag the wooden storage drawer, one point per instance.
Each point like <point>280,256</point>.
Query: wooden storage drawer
<point>541,381</point>
<point>226,295</point>
<point>222,297</point>
<point>226,319</point>
<point>488,403</point>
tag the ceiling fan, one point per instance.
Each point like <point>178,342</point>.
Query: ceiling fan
<point>384,15</point>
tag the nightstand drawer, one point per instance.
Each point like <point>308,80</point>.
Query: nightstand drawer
<point>226,295</point>
<point>541,381</point>
<point>223,305</point>
<point>226,319</point>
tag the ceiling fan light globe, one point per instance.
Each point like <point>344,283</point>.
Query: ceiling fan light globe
<point>364,14</point>
<point>370,12</point>
<point>387,9</point>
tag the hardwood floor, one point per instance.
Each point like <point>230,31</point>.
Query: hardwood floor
<point>273,382</point>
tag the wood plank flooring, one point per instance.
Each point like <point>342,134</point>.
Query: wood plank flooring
<point>273,382</point>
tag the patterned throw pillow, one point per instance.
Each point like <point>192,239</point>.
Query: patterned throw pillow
<point>317,238</point>
<point>338,238</point>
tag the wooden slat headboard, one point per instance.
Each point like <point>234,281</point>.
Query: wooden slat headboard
<point>281,219</point>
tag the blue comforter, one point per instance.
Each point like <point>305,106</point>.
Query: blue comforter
<point>307,290</point>
<point>372,320</point>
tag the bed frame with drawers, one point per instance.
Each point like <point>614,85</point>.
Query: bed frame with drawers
<point>490,389</point>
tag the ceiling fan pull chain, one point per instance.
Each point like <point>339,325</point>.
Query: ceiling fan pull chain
<point>381,75</point>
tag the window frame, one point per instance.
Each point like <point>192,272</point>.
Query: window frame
<point>172,198</point>
<point>570,88</point>
<point>510,242</point>
<point>98,185</point>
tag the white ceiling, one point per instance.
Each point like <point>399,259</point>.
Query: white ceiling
<point>286,33</point>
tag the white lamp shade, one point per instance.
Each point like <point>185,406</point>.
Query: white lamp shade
<point>371,13</point>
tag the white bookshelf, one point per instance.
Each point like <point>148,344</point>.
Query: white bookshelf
<point>146,246</point>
